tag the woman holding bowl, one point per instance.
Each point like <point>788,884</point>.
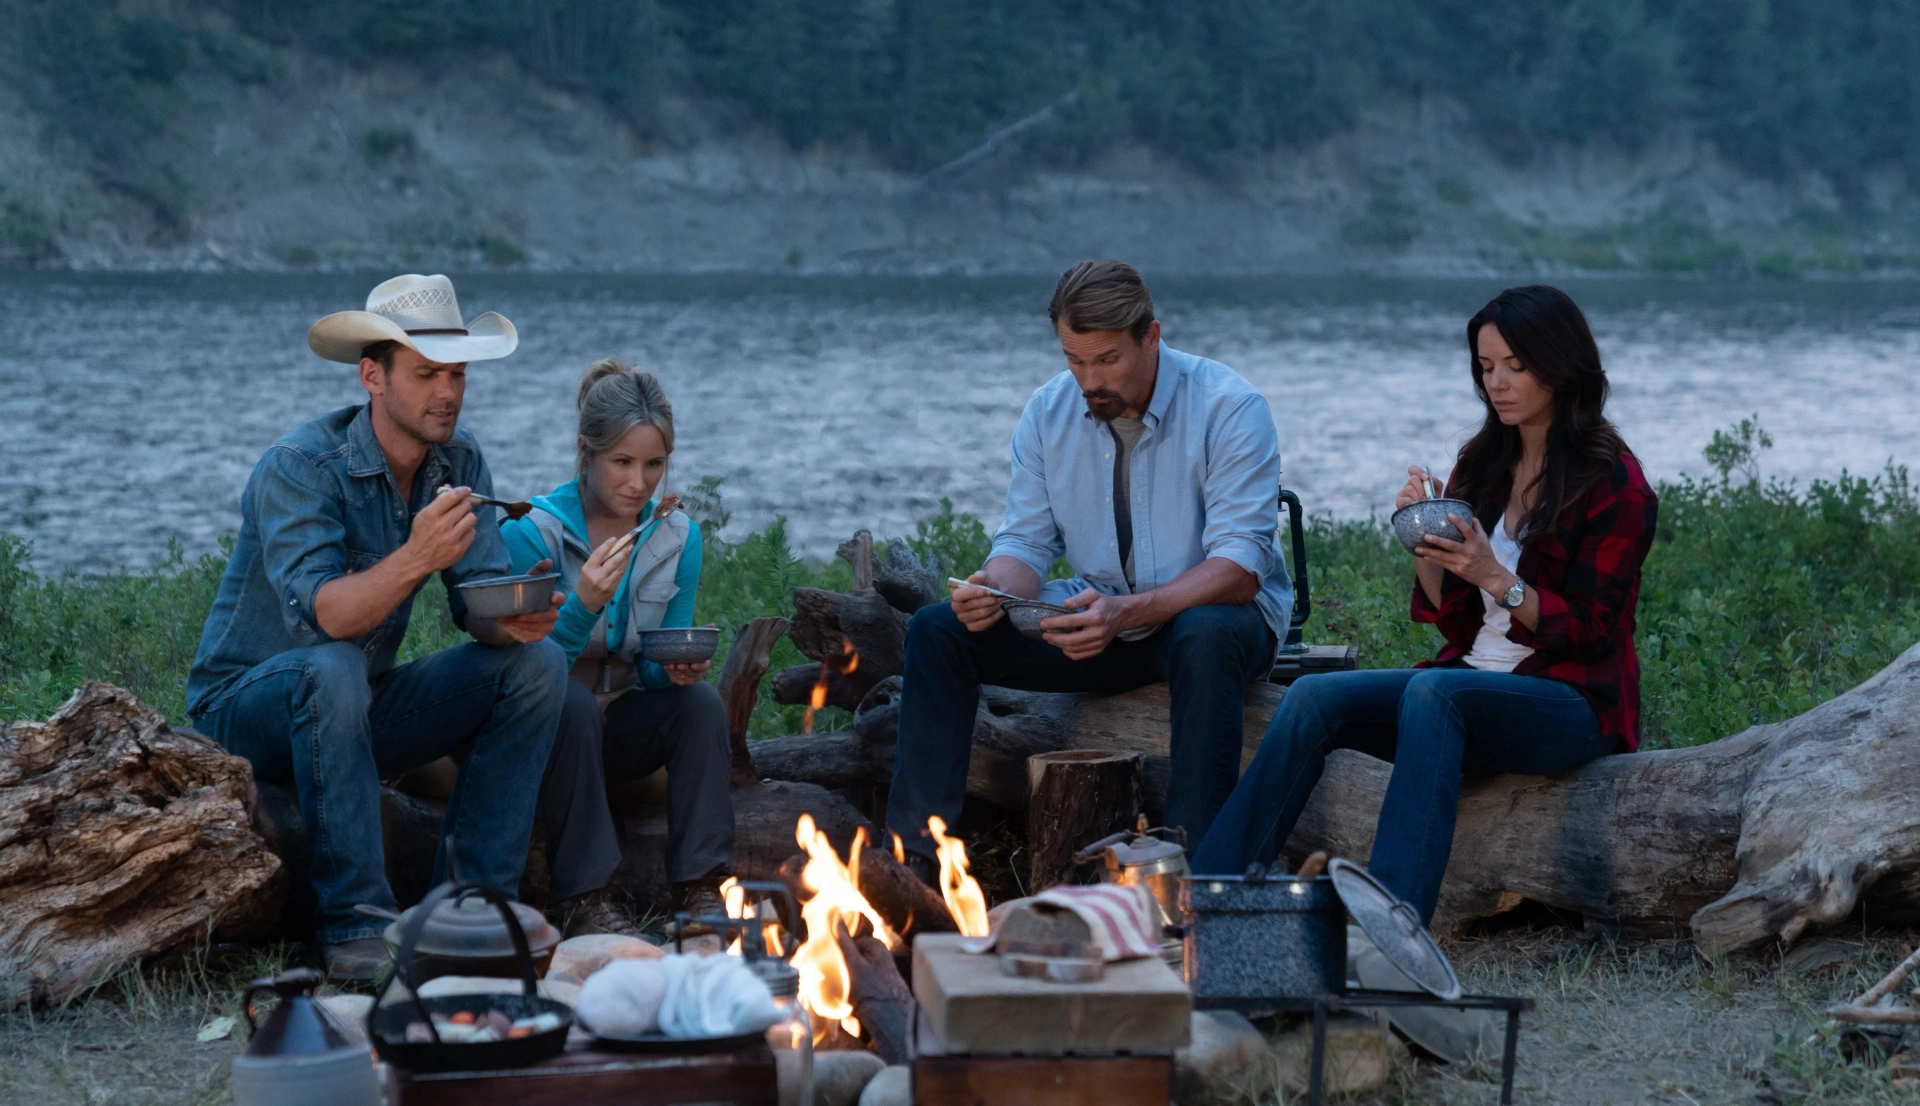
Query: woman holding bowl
<point>1538,673</point>
<point>625,716</point>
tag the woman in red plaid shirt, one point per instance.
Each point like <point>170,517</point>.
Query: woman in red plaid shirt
<point>1538,674</point>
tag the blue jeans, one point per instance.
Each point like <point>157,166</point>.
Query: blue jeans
<point>310,719</point>
<point>1433,724</point>
<point>1207,655</point>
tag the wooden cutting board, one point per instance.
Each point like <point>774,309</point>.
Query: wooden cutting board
<point>973,1007</point>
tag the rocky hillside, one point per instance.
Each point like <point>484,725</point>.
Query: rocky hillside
<point>211,147</point>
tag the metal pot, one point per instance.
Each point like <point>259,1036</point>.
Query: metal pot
<point>1255,942</point>
<point>1152,858</point>
<point>466,935</point>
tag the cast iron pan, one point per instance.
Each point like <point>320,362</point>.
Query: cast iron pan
<point>387,1025</point>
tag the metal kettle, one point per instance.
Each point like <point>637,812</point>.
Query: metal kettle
<point>1152,858</point>
<point>300,1055</point>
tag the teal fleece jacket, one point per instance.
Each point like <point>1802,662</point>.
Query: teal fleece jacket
<point>574,626</point>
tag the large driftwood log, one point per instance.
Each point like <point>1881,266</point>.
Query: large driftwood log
<point>858,636</point>
<point>1757,837</point>
<point>120,839</point>
<point>1754,838</point>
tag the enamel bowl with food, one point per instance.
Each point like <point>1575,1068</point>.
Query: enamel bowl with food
<point>1027,614</point>
<point>1429,516</point>
<point>680,645</point>
<point>504,596</point>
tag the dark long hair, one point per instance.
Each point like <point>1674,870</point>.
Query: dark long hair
<point>1547,332</point>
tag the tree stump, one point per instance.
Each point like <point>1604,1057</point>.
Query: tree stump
<point>1076,797</point>
<point>120,839</point>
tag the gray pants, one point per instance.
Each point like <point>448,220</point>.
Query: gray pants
<point>683,729</point>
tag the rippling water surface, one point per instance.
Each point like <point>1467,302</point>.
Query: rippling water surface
<point>133,407</point>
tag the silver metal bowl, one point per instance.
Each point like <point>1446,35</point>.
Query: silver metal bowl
<point>1026,615</point>
<point>680,645</point>
<point>503,596</point>
<point>1429,516</point>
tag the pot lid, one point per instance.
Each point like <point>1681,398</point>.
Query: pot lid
<point>470,926</point>
<point>1395,930</point>
<point>1145,850</point>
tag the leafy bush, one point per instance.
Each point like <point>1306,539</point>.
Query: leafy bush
<point>1759,601</point>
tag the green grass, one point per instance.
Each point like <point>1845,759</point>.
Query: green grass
<point>1760,600</point>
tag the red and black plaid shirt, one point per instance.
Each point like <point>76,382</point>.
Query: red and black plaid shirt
<point>1587,578</point>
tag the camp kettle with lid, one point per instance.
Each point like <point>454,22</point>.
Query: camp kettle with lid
<point>299,1055</point>
<point>1152,858</point>
<point>466,935</point>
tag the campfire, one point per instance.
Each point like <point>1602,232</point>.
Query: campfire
<point>835,903</point>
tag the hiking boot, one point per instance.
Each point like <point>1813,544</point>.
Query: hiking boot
<point>700,898</point>
<point>360,960</point>
<point>594,912</point>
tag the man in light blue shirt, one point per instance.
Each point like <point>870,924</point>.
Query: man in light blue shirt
<point>1156,474</point>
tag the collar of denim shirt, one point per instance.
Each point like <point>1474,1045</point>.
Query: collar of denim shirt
<point>1165,380</point>
<point>365,458</point>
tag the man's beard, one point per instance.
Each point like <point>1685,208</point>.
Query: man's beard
<point>1104,405</point>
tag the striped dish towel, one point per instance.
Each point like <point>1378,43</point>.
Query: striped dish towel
<point>1124,920</point>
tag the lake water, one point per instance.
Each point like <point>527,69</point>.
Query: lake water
<point>133,407</point>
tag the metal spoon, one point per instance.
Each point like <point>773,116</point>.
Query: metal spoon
<point>511,510</point>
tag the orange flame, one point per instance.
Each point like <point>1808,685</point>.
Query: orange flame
<point>899,848</point>
<point>834,887</point>
<point>962,892</point>
<point>845,664</point>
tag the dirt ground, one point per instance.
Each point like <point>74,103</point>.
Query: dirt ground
<point>1619,1021</point>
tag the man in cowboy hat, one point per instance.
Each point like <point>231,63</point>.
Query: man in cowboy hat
<point>341,523</point>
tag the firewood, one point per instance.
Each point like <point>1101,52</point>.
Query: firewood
<point>909,906</point>
<point>747,661</point>
<point>1074,797</point>
<point>120,839</point>
<point>827,623</point>
<point>794,686</point>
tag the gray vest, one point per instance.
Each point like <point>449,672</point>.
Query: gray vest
<point>609,667</point>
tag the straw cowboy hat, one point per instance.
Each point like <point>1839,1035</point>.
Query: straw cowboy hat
<point>422,314</point>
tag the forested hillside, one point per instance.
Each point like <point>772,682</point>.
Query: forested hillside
<point>1783,91</point>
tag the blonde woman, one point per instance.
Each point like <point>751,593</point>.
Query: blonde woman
<point>625,717</point>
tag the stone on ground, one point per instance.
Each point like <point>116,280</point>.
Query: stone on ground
<point>892,1087</point>
<point>580,957</point>
<point>1227,1062</point>
<point>839,1076</point>
<point>1361,1055</point>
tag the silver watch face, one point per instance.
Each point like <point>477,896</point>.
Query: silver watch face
<point>1516,595</point>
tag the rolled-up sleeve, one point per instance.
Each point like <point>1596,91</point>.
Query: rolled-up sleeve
<point>1242,488</point>
<point>1030,533</point>
<point>302,536</point>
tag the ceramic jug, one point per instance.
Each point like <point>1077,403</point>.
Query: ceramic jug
<point>300,1055</point>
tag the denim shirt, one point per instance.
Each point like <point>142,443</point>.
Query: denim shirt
<point>320,504</point>
<point>1205,476</point>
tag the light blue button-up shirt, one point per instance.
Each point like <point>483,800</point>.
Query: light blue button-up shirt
<point>1205,483</point>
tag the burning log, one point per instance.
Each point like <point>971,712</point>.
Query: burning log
<point>881,1000</point>
<point>859,637</point>
<point>1076,797</point>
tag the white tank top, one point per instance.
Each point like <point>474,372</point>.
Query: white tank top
<point>1491,651</point>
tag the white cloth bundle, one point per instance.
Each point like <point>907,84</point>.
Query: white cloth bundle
<point>678,996</point>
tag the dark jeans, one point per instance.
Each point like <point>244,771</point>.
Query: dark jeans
<point>1207,654</point>
<point>310,719</point>
<point>684,730</point>
<point>1433,724</point>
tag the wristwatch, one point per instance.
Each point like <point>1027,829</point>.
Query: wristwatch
<point>1515,595</point>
